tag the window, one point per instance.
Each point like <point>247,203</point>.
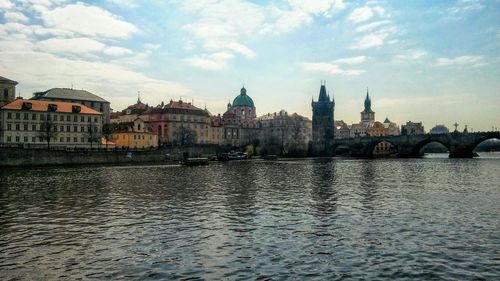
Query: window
<point>75,129</point>
<point>75,139</point>
<point>88,119</point>
<point>68,119</point>
<point>25,127</point>
<point>9,115</point>
<point>68,128</point>
<point>61,139</point>
<point>82,129</point>
<point>25,139</point>
<point>17,127</point>
<point>68,139</point>
<point>33,127</point>
<point>82,139</point>
<point>61,117</point>
<point>9,138</point>
<point>17,138</point>
<point>26,116</point>
<point>33,116</point>
<point>95,119</point>
<point>62,128</point>
<point>75,118</point>
<point>9,127</point>
<point>82,119</point>
<point>5,93</point>
<point>18,115</point>
<point>33,139</point>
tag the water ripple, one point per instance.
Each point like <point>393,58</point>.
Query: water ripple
<point>311,219</point>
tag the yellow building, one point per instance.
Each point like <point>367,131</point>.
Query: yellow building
<point>133,135</point>
<point>383,148</point>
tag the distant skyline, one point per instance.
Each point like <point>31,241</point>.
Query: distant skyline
<point>432,61</point>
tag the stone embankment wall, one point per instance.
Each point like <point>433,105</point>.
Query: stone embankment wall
<point>11,157</point>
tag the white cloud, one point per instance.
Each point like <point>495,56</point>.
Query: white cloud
<point>410,55</point>
<point>475,61</point>
<point>110,81</point>
<point>225,25</point>
<point>5,4</point>
<point>371,26</point>
<point>317,6</point>
<point>129,4</point>
<point>15,17</point>
<point>213,62</point>
<point>361,14</point>
<point>71,45</point>
<point>330,68</point>
<point>464,6</point>
<point>87,20</point>
<point>117,51</point>
<point>370,41</point>
<point>352,60</point>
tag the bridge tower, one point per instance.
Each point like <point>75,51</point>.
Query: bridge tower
<point>322,123</point>
<point>368,115</point>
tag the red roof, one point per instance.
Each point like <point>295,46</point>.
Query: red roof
<point>181,105</point>
<point>40,105</point>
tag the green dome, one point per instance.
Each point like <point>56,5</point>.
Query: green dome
<point>243,99</point>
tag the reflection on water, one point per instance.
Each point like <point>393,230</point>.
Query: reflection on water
<point>432,218</point>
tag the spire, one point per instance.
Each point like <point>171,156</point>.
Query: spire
<point>243,91</point>
<point>368,102</point>
<point>138,97</point>
<point>322,93</point>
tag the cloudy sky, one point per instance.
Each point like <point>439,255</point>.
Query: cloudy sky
<point>425,60</point>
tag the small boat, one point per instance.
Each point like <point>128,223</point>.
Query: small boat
<point>194,161</point>
<point>232,156</point>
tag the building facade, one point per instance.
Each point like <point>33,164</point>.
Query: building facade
<point>76,96</point>
<point>134,134</point>
<point>412,128</point>
<point>47,123</point>
<point>7,90</point>
<point>293,132</point>
<point>323,123</point>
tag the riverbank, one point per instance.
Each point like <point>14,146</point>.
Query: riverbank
<point>24,157</point>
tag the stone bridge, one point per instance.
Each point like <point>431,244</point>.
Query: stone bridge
<point>460,145</point>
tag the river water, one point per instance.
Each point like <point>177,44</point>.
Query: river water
<point>405,219</point>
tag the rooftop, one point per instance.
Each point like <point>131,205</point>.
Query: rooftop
<point>43,106</point>
<point>68,94</point>
<point>4,80</point>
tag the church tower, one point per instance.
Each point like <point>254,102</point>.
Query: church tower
<point>367,115</point>
<point>322,123</point>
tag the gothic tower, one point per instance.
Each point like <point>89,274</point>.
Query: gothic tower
<point>322,123</point>
<point>367,115</point>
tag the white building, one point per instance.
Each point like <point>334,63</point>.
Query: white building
<point>61,124</point>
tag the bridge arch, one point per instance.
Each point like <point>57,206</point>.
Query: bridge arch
<point>381,147</point>
<point>419,147</point>
<point>494,135</point>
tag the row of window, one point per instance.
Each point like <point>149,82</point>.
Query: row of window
<point>35,127</point>
<point>38,139</point>
<point>60,117</point>
<point>195,126</point>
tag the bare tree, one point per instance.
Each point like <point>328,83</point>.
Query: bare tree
<point>48,130</point>
<point>184,136</point>
<point>93,134</point>
<point>107,131</point>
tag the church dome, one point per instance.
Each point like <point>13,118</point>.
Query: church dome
<point>243,99</point>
